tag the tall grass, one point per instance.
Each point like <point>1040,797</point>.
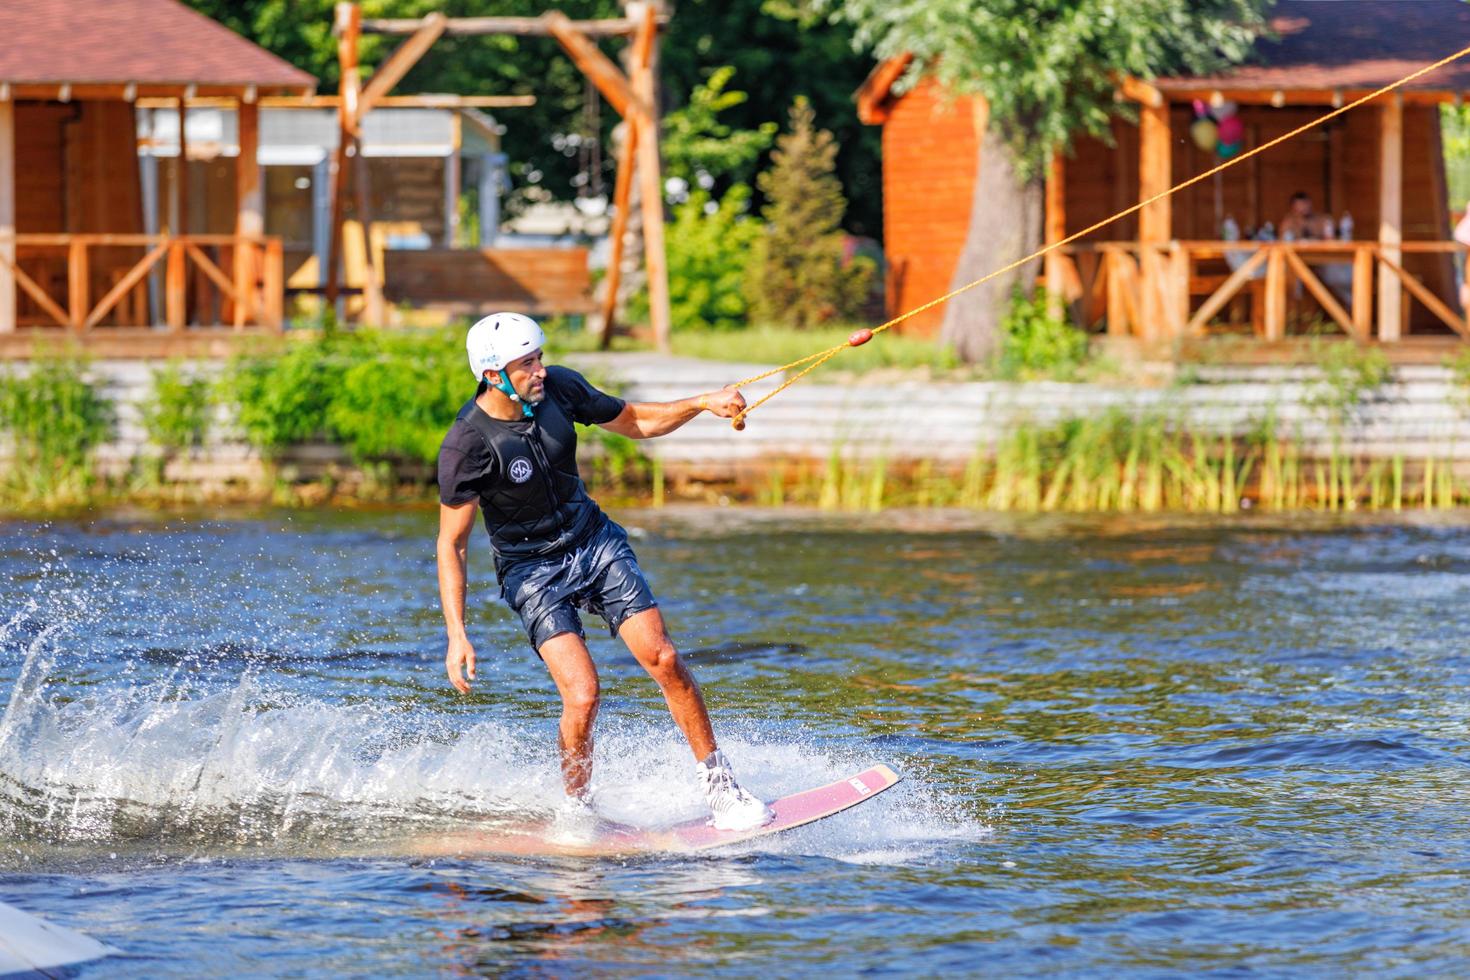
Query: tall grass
<point>1112,463</point>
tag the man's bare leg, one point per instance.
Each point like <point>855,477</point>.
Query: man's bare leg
<point>649,641</point>
<point>575,675</point>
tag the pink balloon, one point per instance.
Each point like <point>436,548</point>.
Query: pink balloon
<point>1199,109</point>
<point>1231,130</point>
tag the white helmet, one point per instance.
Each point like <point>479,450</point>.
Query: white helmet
<point>500,338</point>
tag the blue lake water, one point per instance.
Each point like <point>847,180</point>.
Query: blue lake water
<point>1152,748</point>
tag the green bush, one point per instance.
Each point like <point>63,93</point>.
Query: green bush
<point>281,395</point>
<point>1349,373</point>
<point>709,248</point>
<point>1034,344</point>
<point>54,419</point>
<point>399,393</point>
<point>176,411</point>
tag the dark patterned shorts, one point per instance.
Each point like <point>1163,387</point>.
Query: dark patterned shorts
<point>600,576</point>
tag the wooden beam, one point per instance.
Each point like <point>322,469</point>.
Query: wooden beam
<point>1155,169</point>
<point>181,171</point>
<point>403,58</point>
<point>1424,295</point>
<point>249,210</point>
<point>650,185</point>
<point>519,26</point>
<point>175,275</point>
<point>1322,293</point>
<point>7,216</point>
<point>1390,214</point>
<point>1141,92</point>
<point>117,292</point>
<point>1275,320</point>
<point>1225,293</point>
<point>622,198</point>
<point>597,66</point>
<point>349,20</point>
<point>77,286</point>
<point>420,101</point>
<point>1055,231</point>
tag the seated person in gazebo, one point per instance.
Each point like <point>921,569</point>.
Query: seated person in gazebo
<point>1303,222</point>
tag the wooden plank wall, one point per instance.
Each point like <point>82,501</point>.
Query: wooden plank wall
<point>536,280</point>
<point>929,154</point>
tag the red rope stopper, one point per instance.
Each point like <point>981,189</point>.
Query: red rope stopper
<point>859,337</point>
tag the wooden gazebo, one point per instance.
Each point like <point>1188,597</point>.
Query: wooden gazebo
<point>1166,274</point>
<point>75,259</point>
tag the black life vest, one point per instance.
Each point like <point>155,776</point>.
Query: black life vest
<point>537,504</point>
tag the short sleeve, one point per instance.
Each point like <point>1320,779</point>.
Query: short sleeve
<point>584,403</point>
<point>462,469</point>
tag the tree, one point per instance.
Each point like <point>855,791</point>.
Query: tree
<point>701,149</point>
<point>798,275</point>
<point>1047,71</point>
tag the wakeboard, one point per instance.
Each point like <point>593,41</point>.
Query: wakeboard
<point>614,839</point>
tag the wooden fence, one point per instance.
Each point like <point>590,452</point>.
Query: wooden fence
<point>80,282</point>
<point>1180,289</point>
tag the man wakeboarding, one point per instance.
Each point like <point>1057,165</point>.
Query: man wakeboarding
<point>511,454</point>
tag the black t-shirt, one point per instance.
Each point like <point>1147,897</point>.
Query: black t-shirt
<point>524,472</point>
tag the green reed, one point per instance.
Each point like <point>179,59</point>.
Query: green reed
<point>1114,463</point>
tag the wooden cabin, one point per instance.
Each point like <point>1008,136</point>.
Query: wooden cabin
<point>77,258</point>
<point>1167,273</point>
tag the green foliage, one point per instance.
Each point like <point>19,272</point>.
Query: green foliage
<point>1349,374</point>
<point>701,149</point>
<point>1459,367</point>
<point>54,419</point>
<point>1455,125</point>
<point>798,275</point>
<point>281,395</point>
<point>1048,67</point>
<point>1034,344</point>
<point>709,249</point>
<point>399,393</point>
<point>176,410</point>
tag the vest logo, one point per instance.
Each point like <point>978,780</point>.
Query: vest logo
<point>520,469</point>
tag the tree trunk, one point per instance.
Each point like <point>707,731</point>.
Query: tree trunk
<point>1005,224</point>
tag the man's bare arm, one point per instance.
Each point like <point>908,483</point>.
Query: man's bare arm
<point>645,420</point>
<point>455,524</point>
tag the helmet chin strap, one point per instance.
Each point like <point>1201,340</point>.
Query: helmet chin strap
<point>505,387</point>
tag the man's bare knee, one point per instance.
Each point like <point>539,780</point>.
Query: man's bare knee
<point>664,665</point>
<point>580,702</point>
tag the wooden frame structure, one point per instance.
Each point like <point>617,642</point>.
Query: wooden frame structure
<point>75,261</point>
<point>632,98</point>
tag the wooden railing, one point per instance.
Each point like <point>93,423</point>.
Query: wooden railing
<point>80,282</point>
<point>1179,289</point>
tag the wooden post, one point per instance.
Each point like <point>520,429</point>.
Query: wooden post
<point>622,197</point>
<point>273,286</point>
<point>1056,230</point>
<point>452,179</point>
<point>1363,291</point>
<point>174,286</point>
<point>1276,295</point>
<point>1156,219</point>
<point>249,211</point>
<point>77,293</point>
<point>1391,214</point>
<point>650,185</point>
<point>7,215</point>
<point>181,170</point>
<point>349,24</point>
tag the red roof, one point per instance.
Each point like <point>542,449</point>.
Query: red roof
<point>1351,44</point>
<point>144,42</point>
